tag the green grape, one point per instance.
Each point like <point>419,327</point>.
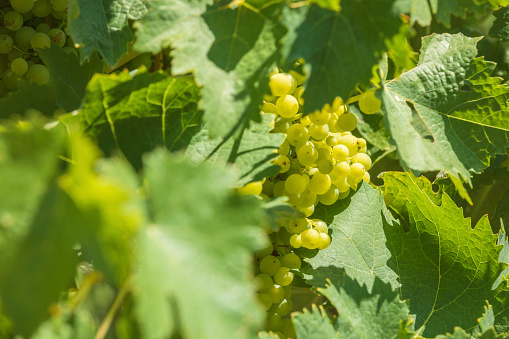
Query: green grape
<point>19,66</point>
<point>349,141</point>
<point>295,184</point>
<point>42,8</point>
<point>58,5</point>
<point>352,181</point>
<point>274,321</point>
<point>361,142</point>
<point>324,153</point>
<point>278,189</point>
<point>59,15</point>
<point>340,152</point>
<point>342,168</point>
<point>265,252</point>
<point>332,140</point>
<point>38,74</point>
<point>13,20</point>
<point>57,36</point>
<point>318,132</point>
<point>305,120</point>
<point>342,185</point>
<point>346,122</point>
<point>297,135</point>
<point>343,195</point>
<point>307,211</point>
<point>330,197</point>
<point>263,283</point>
<point>310,238</point>
<point>300,78</point>
<point>10,80</point>
<point>320,226</point>
<point>23,36</point>
<point>283,276</point>
<point>270,265</point>
<point>276,293</point>
<point>332,123</point>
<point>325,166</point>
<point>296,241</point>
<point>366,177</point>
<point>267,107</point>
<point>285,307</point>
<point>43,28</point>
<point>298,94</point>
<point>6,44</point>
<point>307,155</point>
<point>6,31</point>
<point>282,84</point>
<point>357,170</point>
<point>319,183</point>
<point>287,106</point>
<point>363,159</point>
<point>284,148</point>
<point>4,65</point>
<point>22,6</point>
<point>308,198</point>
<point>284,162</point>
<point>369,103</point>
<point>287,329</point>
<point>14,54</point>
<point>324,241</point>
<point>281,127</point>
<point>253,188</point>
<point>264,299</point>
<point>320,118</point>
<point>291,260</point>
<point>27,16</point>
<point>288,292</point>
<point>40,41</point>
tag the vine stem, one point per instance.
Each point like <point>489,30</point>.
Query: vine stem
<point>108,319</point>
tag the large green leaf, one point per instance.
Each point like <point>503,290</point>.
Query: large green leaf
<point>500,28</point>
<point>358,241</point>
<point>446,268</point>
<point>103,25</point>
<point>194,258</point>
<point>229,47</point>
<point>448,113</point>
<point>135,115</point>
<point>339,48</point>
<point>250,152</point>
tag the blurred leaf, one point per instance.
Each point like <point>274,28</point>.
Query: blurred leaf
<point>500,28</point>
<point>333,5</point>
<point>28,96</point>
<point>371,128</point>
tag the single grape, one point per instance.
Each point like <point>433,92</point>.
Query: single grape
<point>305,120</point>
<point>342,168</point>
<point>369,103</point>
<point>330,197</point>
<point>278,189</point>
<point>283,276</point>
<point>6,44</point>
<point>319,183</point>
<point>287,106</point>
<point>285,307</point>
<point>298,94</point>
<point>253,188</point>
<point>297,135</point>
<point>43,28</point>
<point>357,170</point>
<point>349,141</point>
<point>270,265</point>
<point>343,195</point>
<point>310,238</point>
<point>361,142</point>
<point>300,78</point>
<point>281,127</point>
<point>13,20</point>
<point>320,117</point>
<point>263,283</point>
<point>325,153</point>
<point>282,84</point>
<point>22,6</point>
<point>276,293</point>
<point>296,241</point>
<point>363,159</point>
<point>274,322</point>
<point>23,36</point>
<point>325,166</point>
<point>307,211</point>
<point>42,8</point>
<point>58,36</point>
<point>40,41</point>
<point>58,5</point>
<point>59,15</point>
<point>291,260</point>
<point>19,66</point>
<point>38,74</point>
<point>268,107</point>
<point>347,122</point>
<point>324,241</point>
<point>10,80</point>
<point>264,299</point>
<point>332,140</point>
<point>342,185</point>
<point>295,184</point>
<point>284,148</point>
<point>366,177</point>
<point>318,132</point>
<point>284,162</point>
<point>340,152</point>
<point>307,155</point>
<point>308,198</point>
<point>352,181</point>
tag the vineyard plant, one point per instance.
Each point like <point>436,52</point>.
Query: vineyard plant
<point>242,169</point>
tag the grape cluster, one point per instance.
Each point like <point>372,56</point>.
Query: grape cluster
<point>320,161</point>
<point>27,27</point>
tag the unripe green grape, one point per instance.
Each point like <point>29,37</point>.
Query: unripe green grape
<point>58,36</point>
<point>38,74</point>
<point>19,66</point>
<point>342,185</point>
<point>369,103</point>
<point>363,159</point>
<point>298,94</point>
<point>287,329</point>
<point>253,188</point>
<point>332,140</point>
<point>263,283</point>
<point>6,44</point>
<point>281,127</point>
<point>274,322</point>
<point>310,238</point>
<point>330,197</point>
<point>357,170</point>
<point>287,106</point>
<point>276,293</point>
<point>319,183</point>
<point>324,241</point>
<point>324,153</point>
<point>297,135</point>
<point>305,120</point>
<point>343,195</point>
<point>340,152</point>
<point>59,15</point>
<point>325,166</point>
<point>352,181</point>
<point>342,168</point>
<point>40,41</point>
<point>265,252</point>
<point>270,265</point>
<point>291,260</point>
<point>293,199</point>
<point>349,141</point>
<point>295,184</point>
<point>269,98</point>
<point>58,5</point>
<point>6,31</point>
<point>284,162</point>
<point>308,199</point>
<point>22,6</point>
<point>307,211</point>
<point>284,148</point>
<point>265,300</point>
<point>10,80</point>
<point>361,143</point>
<point>268,107</point>
<point>43,28</point>
<point>283,276</point>
<point>278,189</point>
<point>282,84</point>
<point>42,8</point>
<point>320,225</point>
<point>13,20</point>
<point>307,155</point>
<point>285,307</point>
<point>320,117</point>
<point>14,54</point>
<point>347,122</point>
<point>296,241</point>
<point>366,177</point>
<point>300,78</point>
<point>23,36</point>
<point>332,123</point>
<point>318,132</point>
<point>275,70</point>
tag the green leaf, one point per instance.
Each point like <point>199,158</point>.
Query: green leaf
<point>135,115</point>
<point>371,128</point>
<point>204,237</point>
<point>333,5</point>
<point>314,325</point>
<point>448,113</point>
<point>445,267</point>
<point>229,47</point>
<point>358,241</point>
<point>68,78</point>
<point>321,37</point>
<point>28,96</point>
<point>103,25</point>
<point>500,28</point>
<point>250,152</point>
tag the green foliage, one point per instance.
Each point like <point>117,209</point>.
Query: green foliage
<point>500,28</point>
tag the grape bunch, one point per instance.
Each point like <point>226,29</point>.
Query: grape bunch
<point>320,162</point>
<point>26,28</point>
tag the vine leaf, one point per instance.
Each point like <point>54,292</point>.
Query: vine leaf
<point>229,47</point>
<point>448,113</point>
<point>339,48</point>
<point>445,267</point>
<point>186,248</point>
<point>500,28</point>
<point>103,25</point>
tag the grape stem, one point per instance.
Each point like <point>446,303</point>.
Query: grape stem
<point>108,319</point>
<point>89,282</point>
